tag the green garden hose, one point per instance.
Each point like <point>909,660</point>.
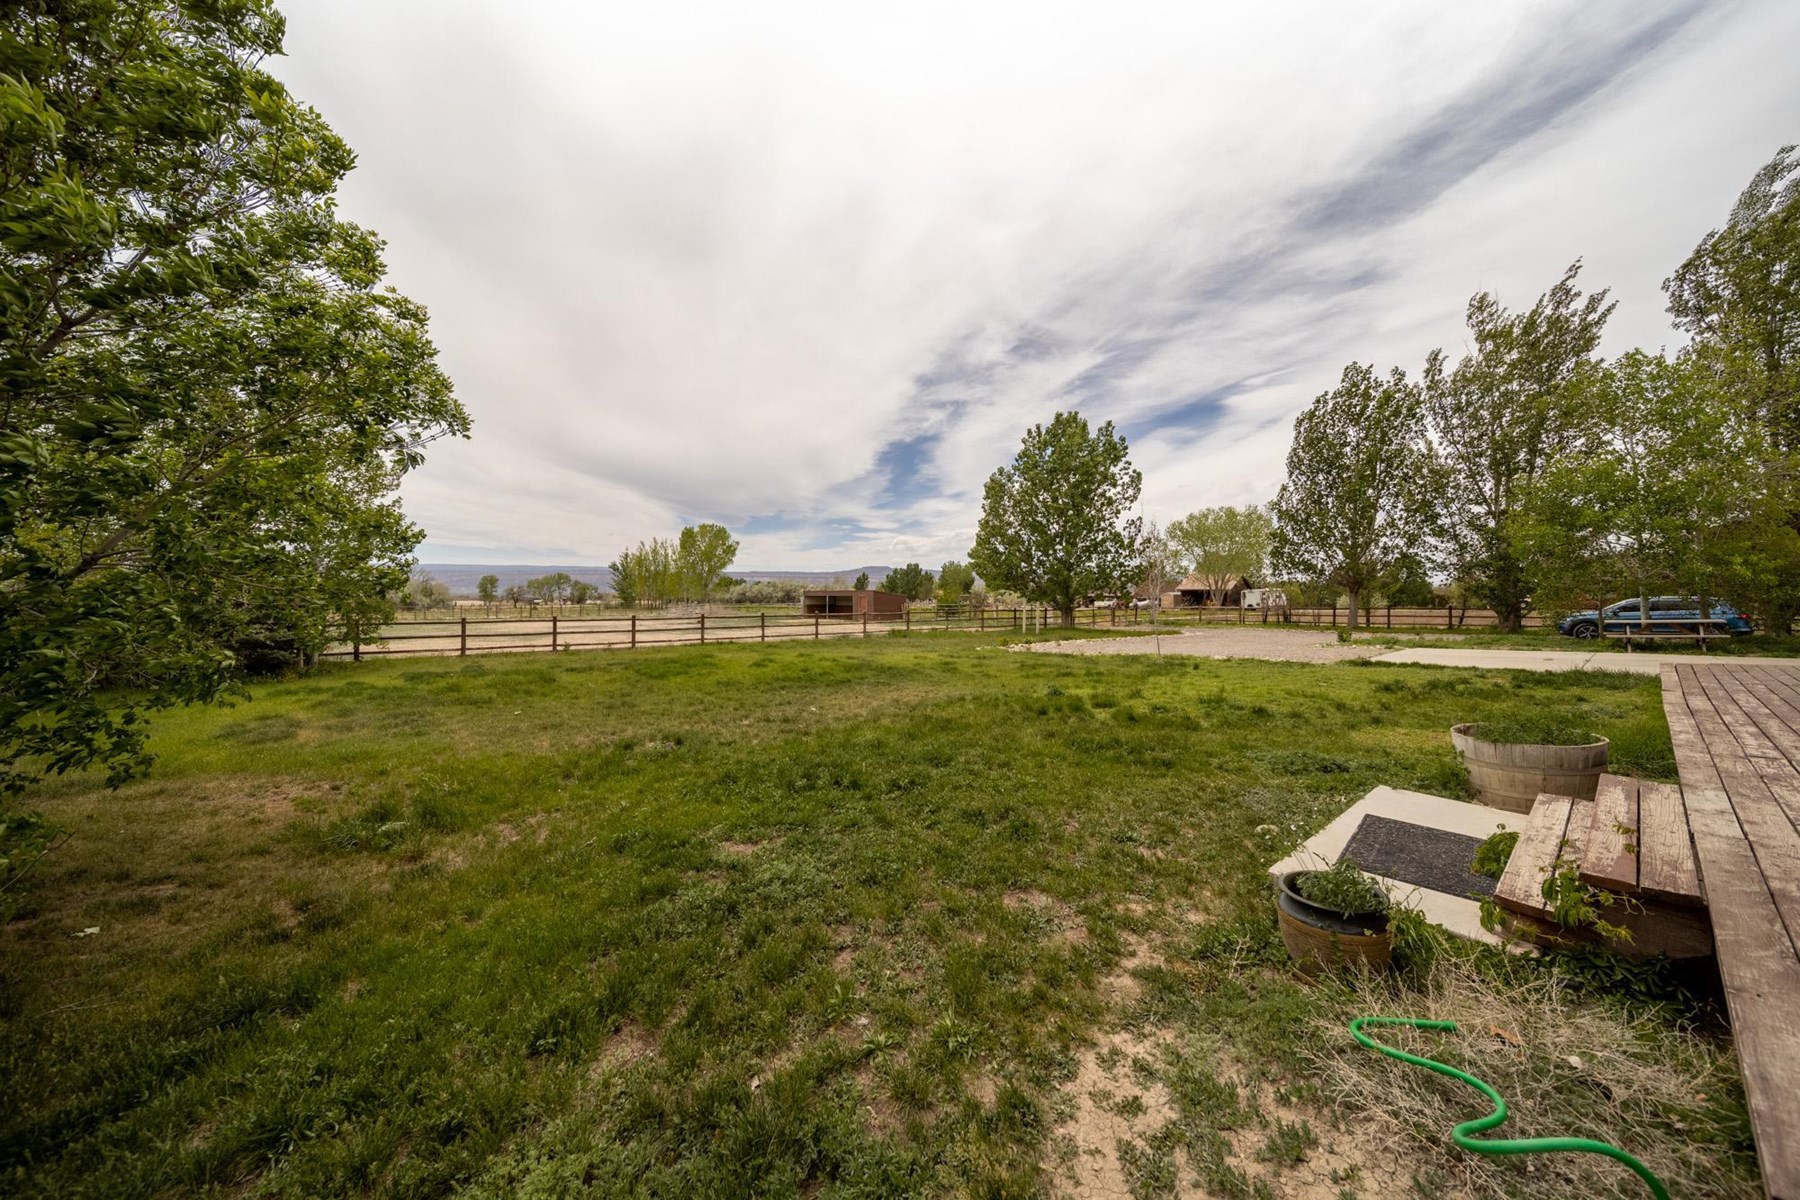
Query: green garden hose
<point>1461,1135</point>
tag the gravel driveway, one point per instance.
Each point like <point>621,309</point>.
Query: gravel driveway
<point>1277,645</point>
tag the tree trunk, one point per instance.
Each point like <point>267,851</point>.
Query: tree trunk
<point>1350,625</point>
<point>1068,615</point>
<point>1511,618</point>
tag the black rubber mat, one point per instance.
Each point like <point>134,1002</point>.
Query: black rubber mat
<point>1418,854</point>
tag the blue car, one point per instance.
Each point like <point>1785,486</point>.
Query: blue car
<point>1678,615</point>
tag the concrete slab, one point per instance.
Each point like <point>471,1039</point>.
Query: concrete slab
<point>1459,914</point>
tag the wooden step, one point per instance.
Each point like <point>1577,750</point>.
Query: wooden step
<point>1552,832</point>
<point>1586,833</point>
<point>1637,842</point>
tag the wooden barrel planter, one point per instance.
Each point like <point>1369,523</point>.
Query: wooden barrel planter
<point>1317,937</point>
<point>1511,775</point>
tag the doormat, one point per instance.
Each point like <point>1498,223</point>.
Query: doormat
<point>1418,854</point>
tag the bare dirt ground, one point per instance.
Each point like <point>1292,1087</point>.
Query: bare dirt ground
<point>1278,645</point>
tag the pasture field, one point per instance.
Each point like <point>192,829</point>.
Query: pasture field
<point>901,917</point>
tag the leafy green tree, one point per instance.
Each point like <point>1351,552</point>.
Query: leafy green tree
<point>862,582</point>
<point>1221,544</point>
<point>1498,419</point>
<point>581,591</point>
<point>1359,484</point>
<point>517,595</point>
<point>1056,525</point>
<point>1679,492</point>
<point>207,397</point>
<point>1162,566</point>
<point>487,589</point>
<point>424,593</point>
<point>912,581</point>
<point>703,554</point>
<point>550,589</point>
<point>954,581</point>
<point>1738,294</point>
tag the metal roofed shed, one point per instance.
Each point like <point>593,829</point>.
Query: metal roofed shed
<point>850,602</point>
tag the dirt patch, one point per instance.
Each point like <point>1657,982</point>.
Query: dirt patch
<point>745,849</point>
<point>1270,644</point>
<point>1064,925</point>
<point>630,1043</point>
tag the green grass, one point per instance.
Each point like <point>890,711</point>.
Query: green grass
<point>1770,644</point>
<point>839,918</point>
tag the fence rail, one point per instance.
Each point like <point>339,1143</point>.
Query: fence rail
<point>463,635</point>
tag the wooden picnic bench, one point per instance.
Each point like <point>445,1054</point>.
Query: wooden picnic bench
<point>1699,629</point>
<point>1736,731</point>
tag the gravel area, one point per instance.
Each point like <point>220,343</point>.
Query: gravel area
<point>1277,645</point>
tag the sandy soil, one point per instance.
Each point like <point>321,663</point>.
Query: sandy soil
<point>1278,645</point>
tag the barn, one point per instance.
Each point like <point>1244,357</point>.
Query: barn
<point>1194,592</point>
<point>851,602</point>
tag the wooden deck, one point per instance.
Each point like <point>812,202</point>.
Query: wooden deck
<point>1736,731</point>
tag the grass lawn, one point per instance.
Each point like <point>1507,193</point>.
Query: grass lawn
<point>905,916</point>
<point>1771,644</point>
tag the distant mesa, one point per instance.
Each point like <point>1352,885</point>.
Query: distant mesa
<point>463,578</point>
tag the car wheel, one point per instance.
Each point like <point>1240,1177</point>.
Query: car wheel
<point>1586,630</point>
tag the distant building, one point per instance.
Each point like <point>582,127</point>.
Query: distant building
<point>851,602</point>
<point>1193,593</point>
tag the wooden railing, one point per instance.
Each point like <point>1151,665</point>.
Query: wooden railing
<point>465,635</point>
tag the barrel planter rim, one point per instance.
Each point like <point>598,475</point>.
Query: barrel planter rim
<point>1462,731</point>
<point>1512,775</point>
<point>1322,917</point>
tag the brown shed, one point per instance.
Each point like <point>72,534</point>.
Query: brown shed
<point>847,602</point>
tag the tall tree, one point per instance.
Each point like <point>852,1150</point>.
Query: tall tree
<point>1221,544</point>
<point>1738,294</point>
<point>1498,419</point>
<point>1358,490</point>
<point>1162,565</point>
<point>207,396</point>
<point>703,554</point>
<point>862,582</point>
<point>1681,492</point>
<point>1056,525</point>
<point>912,581</point>
<point>487,589</point>
<point>954,579</point>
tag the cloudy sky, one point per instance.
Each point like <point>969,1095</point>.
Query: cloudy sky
<point>810,270</point>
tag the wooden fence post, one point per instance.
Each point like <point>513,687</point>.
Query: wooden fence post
<point>815,628</point>
<point>462,647</point>
<point>763,627</point>
<point>703,629</point>
<point>908,611</point>
<point>1390,623</point>
<point>865,622</point>
<point>1334,614</point>
<point>553,632</point>
<point>356,641</point>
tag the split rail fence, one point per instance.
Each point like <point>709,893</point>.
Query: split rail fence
<point>464,635</point>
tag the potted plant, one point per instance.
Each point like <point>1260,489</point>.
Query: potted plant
<point>1510,763</point>
<point>1333,915</point>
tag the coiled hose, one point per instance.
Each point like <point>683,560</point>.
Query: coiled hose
<point>1462,1135</point>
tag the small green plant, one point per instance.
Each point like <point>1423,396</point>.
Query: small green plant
<point>1493,854</point>
<point>1343,888</point>
<point>1532,732</point>
<point>1575,905</point>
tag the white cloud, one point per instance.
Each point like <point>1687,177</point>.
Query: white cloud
<point>710,261</point>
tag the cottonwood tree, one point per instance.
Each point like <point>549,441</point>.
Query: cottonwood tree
<point>1056,525</point>
<point>912,581</point>
<point>703,554</point>
<point>1359,482</point>
<point>207,396</point>
<point>1498,419</point>
<point>1683,490</point>
<point>954,581</point>
<point>1161,563</point>
<point>487,589</point>
<point>1738,294</point>
<point>1221,544</point>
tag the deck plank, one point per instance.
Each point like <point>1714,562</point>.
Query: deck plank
<point>1666,869</point>
<point>1521,884</point>
<point>1609,847</point>
<point>1757,957</point>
